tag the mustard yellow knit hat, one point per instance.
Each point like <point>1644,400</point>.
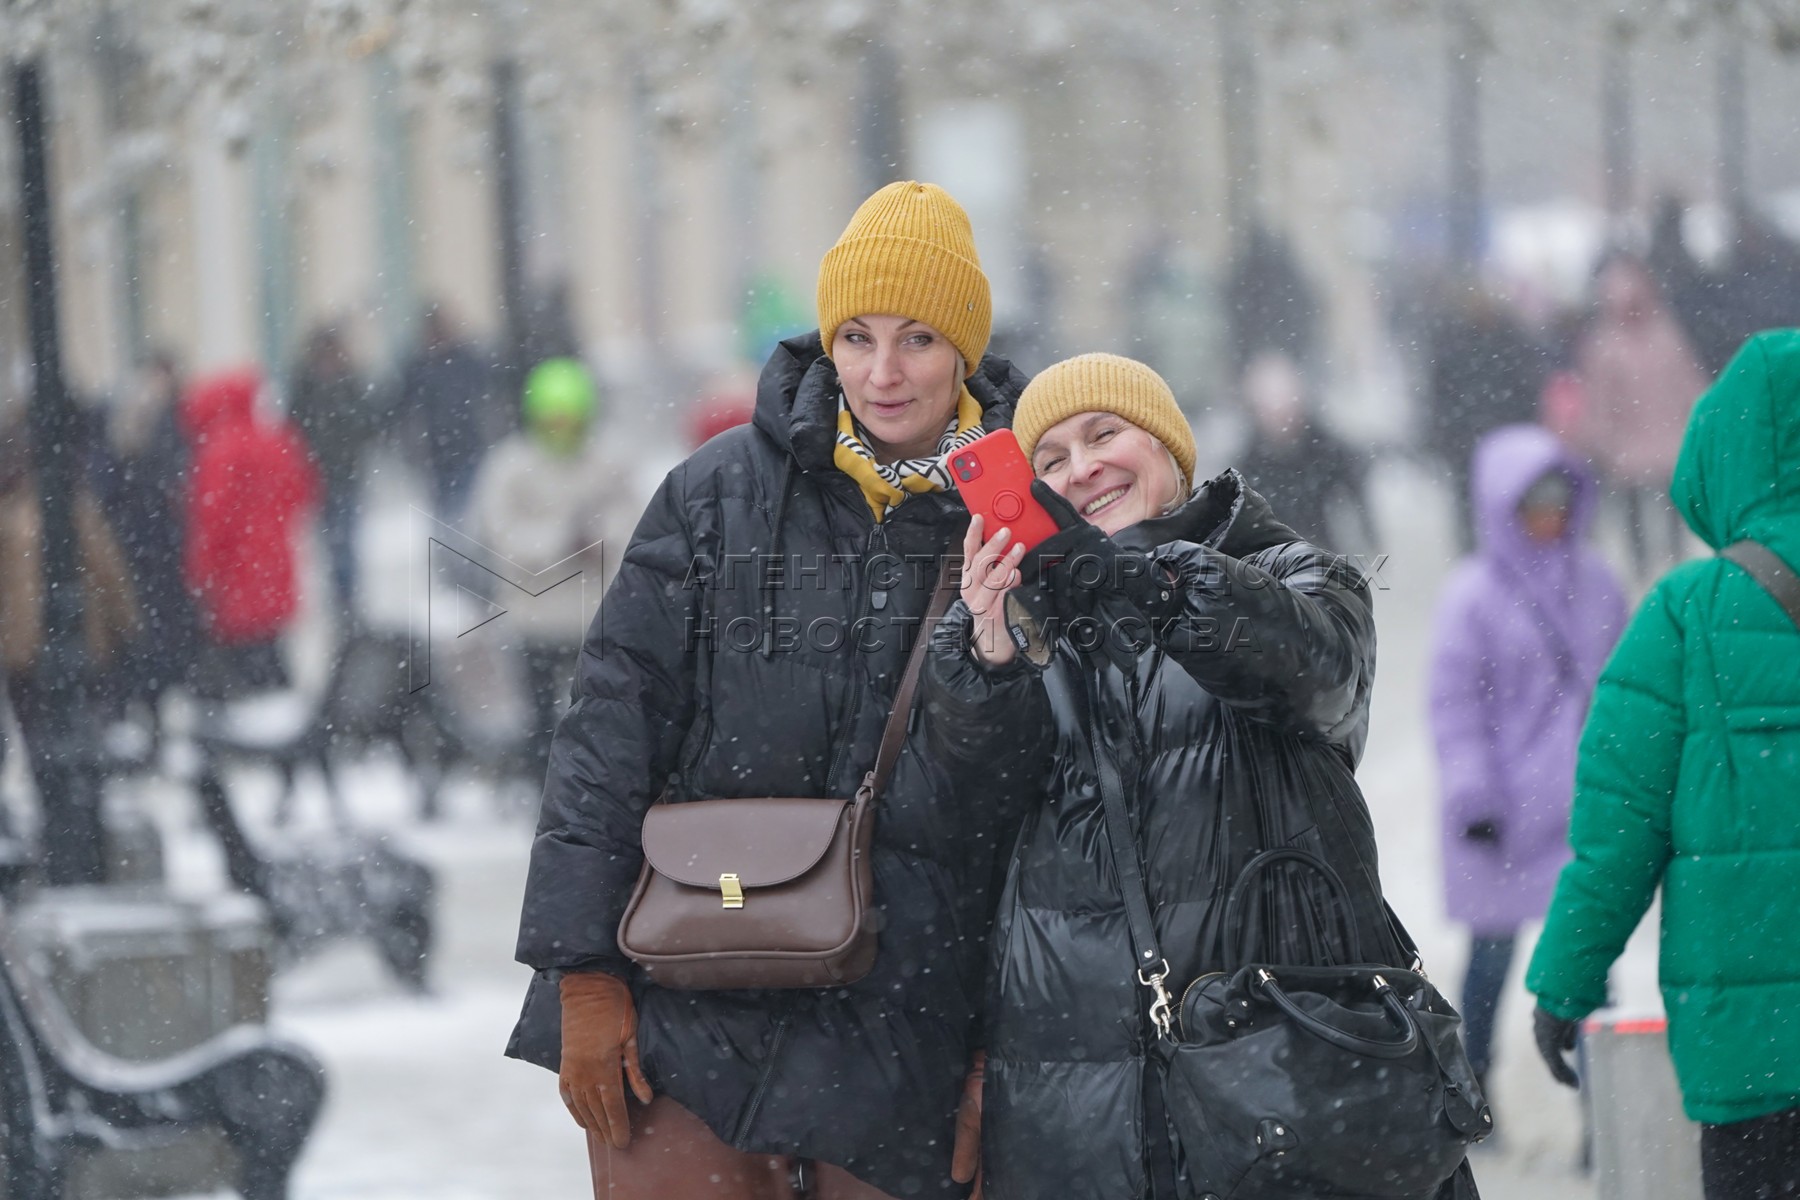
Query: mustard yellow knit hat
<point>909,252</point>
<point>1105,383</point>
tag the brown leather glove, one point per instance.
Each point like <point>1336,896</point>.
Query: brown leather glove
<point>599,1035</point>
<point>965,1155</point>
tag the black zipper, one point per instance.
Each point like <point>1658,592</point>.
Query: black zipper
<point>852,697</point>
<point>762,1085</point>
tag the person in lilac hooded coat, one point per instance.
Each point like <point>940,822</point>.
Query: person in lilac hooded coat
<point>1523,628</point>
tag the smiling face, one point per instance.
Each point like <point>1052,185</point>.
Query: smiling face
<point>1113,472</point>
<point>901,379</point>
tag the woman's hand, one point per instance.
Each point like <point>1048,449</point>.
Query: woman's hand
<point>989,570</point>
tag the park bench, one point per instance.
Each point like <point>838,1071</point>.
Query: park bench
<point>60,1095</point>
<point>367,702</point>
<point>348,885</point>
<point>345,882</point>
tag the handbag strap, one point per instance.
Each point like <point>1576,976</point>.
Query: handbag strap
<point>1765,566</point>
<point>1121,839</point>
<point>1305,858</point>
<point>893,735</point>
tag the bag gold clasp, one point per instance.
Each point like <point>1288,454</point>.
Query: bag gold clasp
<point>732,890</point>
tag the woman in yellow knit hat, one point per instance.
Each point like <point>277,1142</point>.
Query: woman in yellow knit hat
<point>751,645</point>
<point>1184,642</point>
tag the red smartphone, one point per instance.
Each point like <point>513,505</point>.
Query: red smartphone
<point>995,481</point>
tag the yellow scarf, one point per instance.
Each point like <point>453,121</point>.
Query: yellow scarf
<point>885,485</point>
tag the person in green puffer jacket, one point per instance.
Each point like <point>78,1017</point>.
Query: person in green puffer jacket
<point>1689,776</point>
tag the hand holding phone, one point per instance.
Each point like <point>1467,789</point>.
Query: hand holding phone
<point>990,569</point>
<point>994,481</point>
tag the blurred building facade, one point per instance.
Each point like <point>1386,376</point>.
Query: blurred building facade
<point>354,172</point>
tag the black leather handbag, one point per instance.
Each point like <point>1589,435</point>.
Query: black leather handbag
<point>1283,1082</point>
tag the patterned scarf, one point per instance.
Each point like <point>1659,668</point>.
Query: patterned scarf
<point>886,485</point>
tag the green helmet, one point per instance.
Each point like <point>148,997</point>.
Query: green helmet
<point>559,387</point>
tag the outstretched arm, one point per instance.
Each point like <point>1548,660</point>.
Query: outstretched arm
<point>1625,779</point>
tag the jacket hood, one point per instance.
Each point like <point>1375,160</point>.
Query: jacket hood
<point>1225,513</point>
<point>226,398</point>
<point>1505,465</point>
<point>797,396</point>
<point>1738,475</point>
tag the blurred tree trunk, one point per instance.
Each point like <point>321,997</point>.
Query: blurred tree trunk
<point>880,136</point>
<point>1462,125</point>
<point>1618,148</point>
<point>509,213</point>
<point>1243,161</point>
<point>1733,110</point>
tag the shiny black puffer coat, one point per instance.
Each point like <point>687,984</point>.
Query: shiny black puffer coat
<point>678,689</point>
<point>1237,730</point>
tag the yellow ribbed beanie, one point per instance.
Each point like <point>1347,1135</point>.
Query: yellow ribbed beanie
<point>909,252</point>
<point>1105,383</point>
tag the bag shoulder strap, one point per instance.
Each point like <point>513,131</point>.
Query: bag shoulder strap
<point>893,735</point>
<point>1122,840</point>
<point>1775,576</point>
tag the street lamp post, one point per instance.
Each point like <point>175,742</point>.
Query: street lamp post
<point>65,769</point>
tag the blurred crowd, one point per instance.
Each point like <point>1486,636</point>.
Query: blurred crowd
<point>1613,376</point>
<point>197,493</point>
<point>197,496</point>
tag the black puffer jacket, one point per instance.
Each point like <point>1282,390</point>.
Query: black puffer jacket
<point>679,688</point>
<point>1237,731</point>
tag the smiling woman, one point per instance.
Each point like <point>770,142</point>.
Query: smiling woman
<point>1188,647</point>
<point>1106,434</point>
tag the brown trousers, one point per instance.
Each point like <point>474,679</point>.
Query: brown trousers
<point>674,1156</point>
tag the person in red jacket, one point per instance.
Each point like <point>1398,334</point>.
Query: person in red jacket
<point>251,483</point>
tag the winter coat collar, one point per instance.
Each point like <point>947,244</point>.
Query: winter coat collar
<point>1225,514</point>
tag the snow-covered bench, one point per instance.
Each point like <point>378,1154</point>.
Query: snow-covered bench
<point>60,1094</point>
<point>346,885</point>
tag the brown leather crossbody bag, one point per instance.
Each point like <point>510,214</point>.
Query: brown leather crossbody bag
<point>768,892</point>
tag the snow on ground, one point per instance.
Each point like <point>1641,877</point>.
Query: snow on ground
<point>422,1105</point>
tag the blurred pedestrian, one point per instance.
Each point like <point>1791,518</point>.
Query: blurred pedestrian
<point>1523,628</point>
<point>446,398</point>
<point>1639,378</point>
<point>251,485</point>
<point>1485,371</point>
<point>109,615</point>
<point>715,413</point>
<point>1761,275</point>
<point>1562,405</point>
<point>337,413</point>
<point>547,498</point>
<point>143,483</point>
<point>1271,302</point>
<point>1686,779</point>
<point>820,531</point>
<point>1305,471</point>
